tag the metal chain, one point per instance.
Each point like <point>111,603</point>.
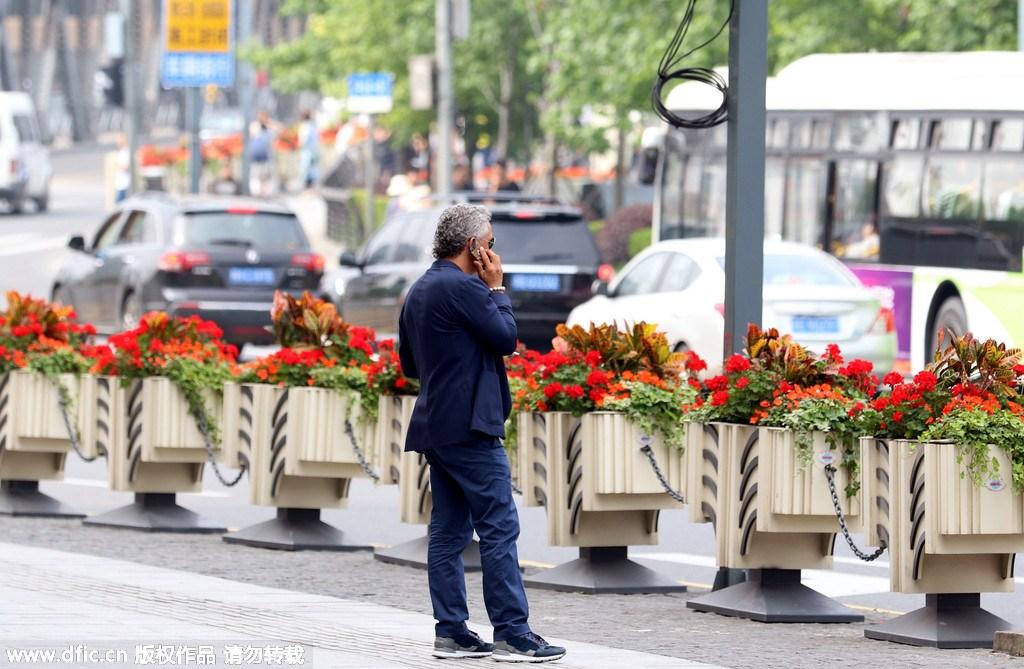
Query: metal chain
<point>204,429</point>
<point>65,404</point>
<point>830,473</point>
<point>515,489</point>
<point>359,452</point>
<point>674,494</point>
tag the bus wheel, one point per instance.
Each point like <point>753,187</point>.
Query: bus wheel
<point>950,320</point>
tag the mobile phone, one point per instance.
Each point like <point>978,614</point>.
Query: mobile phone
<point>474,248</point>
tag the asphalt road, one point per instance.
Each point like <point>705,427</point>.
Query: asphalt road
<point>32,245</point>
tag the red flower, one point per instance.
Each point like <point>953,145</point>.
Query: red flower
<point>593,358</point>
<point>21,331</point>
<point>897,416</point>
<point>1018,370</point>
<point>575,392</point>
<point>717,383</point>
<point>742,382</point>
<point>832,352</point>
<point>719,397</point>
<point>892,378</point>
<point>597,378</point>
<point>736,364</point>
<point>553,389</point>
<point>925,381</point>
<point>694,363</point>
<point>400,383</point>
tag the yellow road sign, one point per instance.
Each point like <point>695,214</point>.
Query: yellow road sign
<point>198,25</point>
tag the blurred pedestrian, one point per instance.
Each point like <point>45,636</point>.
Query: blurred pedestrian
<point>455,327</point>
<point>418,157</point>
<point>225,183</point>
<point>261,149</point>
<point>309,149</point>
<point>500,182</point>
<point>123,173</point>
<point>462,179</point>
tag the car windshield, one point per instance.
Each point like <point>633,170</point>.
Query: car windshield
<point>525,242</point>
<point>258,229</point>
<point>790,269</point>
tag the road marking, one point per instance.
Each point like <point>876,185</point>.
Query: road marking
<point>94,483</point>
<point>24,243</point>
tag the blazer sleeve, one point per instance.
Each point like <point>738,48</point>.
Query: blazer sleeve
<point>405,349</point>
<point>488,316</point>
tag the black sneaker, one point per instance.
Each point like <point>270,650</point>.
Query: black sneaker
<point>527,648</point>
<point>462,645</point>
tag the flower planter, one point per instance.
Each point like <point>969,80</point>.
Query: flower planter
<point>946,537</point>
<point>412,474</point>
<point>34,441</point>
<point>772,515</point>
<point>155,450</point>
<point>300,460</point>
<point>599,497</point>
<point>393,414</point>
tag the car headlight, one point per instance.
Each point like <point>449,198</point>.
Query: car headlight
<point>339,286</point>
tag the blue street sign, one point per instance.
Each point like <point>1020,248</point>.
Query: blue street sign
<point>198,43</point>
<point>370,92</point>
<point>197,69</point>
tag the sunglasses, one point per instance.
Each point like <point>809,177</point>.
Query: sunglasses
<point>490,244</point>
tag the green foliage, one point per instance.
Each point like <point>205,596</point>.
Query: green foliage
<point>655,409</point>
<point>974,432</point>
<point>640,348</point>
<point>638,241</point>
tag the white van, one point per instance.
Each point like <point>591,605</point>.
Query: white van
<point>25,169</point>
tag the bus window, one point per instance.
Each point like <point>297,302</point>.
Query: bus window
<point>712,212</point>
<point>856,133</point>
<point>906,133</point>
<point>1008,135</point>
<point>902,190</point>
<point>1004,189</point>
<point>672,177</point>
<point>952,187</point>
<point>821,134</point>
<point>804,186</point>
<point>800,134</point>
<point>854,233</point>
<point>774,183</point>
<point>951,134</point>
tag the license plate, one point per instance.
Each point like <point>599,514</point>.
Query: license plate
<point>815,325</point>
<point>251,276</point>
<point>537,283</point>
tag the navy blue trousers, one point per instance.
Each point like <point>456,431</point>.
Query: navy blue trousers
<point>471,485</point>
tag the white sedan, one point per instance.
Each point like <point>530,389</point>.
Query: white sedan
<point>680,285</point>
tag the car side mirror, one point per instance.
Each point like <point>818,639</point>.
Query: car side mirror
<point>77,243</point>
<point>348,259</point>
<point>600,288</point>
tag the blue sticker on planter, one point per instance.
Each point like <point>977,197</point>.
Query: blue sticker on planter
<point>646,440</point>
<point>995,485</point>
<point>826,457</point>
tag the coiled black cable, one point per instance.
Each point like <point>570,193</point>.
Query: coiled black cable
<point>669,69</point>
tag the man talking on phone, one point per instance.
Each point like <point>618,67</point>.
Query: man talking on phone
<point>456,326</point>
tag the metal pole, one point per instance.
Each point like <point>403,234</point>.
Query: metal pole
<point>371,180</point>
<point>744,192</point>
<point>245,89</point>
<point>195,157</point>
<point>445,105</point>
<point>131,124</point>
<point>744,205</point>
<point>1020,25</point>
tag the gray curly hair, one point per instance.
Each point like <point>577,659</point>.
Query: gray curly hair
<point>457,225</point>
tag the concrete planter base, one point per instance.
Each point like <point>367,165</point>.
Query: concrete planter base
<point>414,554</point>
<point>604,570</point>
<point>294,530</point>
<point>774,596</point>
<point>156,512</point>
<point>945,621</point>
<point>23,498</point>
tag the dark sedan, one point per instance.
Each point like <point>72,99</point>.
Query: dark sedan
<point>549,256</point>
<point>220,259</point>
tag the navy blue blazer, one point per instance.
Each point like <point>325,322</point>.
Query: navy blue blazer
<point>453,334</point>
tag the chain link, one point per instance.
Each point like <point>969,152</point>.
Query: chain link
<point>359,452</point>
<point>674,494</point>
<point>830,474</point>
<point>65,403</point>
<point>204,429</point>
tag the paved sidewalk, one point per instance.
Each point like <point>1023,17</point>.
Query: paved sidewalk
<point>52,597</point>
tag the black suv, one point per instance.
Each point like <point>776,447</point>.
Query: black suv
<point>548,253</point>
<point>219,258</point>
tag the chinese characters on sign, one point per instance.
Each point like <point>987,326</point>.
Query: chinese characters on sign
<point>197,43</point>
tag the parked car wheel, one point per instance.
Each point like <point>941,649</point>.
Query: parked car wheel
<point>42,202</point>
<point>131,311</point>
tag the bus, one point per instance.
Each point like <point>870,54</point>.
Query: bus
<point>909,167</point>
